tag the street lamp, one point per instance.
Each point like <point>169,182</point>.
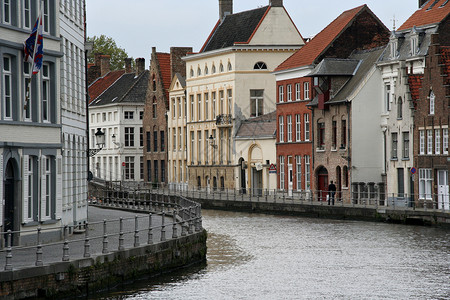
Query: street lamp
<point>212,141</point>
<point>100,142</point>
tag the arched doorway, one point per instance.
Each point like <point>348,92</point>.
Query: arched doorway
<point>9,197</point>
<point>322,183</point>
<point>242,180</point>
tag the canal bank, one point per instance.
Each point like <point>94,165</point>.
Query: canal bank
<point>338,211</point>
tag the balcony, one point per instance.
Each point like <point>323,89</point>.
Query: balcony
<point>224,121</point>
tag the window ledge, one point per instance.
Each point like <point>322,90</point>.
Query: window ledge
<point>345,187</point>
<point>320,150</point>
<point>333,150</point>
<point>405,159</point>
<point>394,158</point>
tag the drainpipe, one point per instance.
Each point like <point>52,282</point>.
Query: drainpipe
<point>311,133</point>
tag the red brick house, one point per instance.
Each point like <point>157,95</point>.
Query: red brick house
<point>163,67</point>
<point>354,29</point>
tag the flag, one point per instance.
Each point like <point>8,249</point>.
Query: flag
<point>34,46</point>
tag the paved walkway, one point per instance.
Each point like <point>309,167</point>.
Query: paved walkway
<point>26,257</point>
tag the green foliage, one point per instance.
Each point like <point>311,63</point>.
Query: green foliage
<point>106,45</point>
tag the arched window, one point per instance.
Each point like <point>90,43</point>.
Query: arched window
<point>399,108</point>
<point>206,70</point>
<point>213,69</point>
<point>221,68</point>
<point>260,66</point>
<point>192,72</point>
<point>199,72</point>
<point>432,98</point>
<point>155,107</point>
<point>230,68</point>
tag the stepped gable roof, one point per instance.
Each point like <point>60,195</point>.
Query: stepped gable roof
<point>260,127</point>
<point>235,28</point>
<point>415,84</point>
<point>322,41</point>
<point>129,88</point>
<point>101,84</point>
<point>432,12</point>
<point>445,60</point>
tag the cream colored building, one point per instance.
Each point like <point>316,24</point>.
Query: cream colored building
<point>176,124</point>
<point>230,80</point>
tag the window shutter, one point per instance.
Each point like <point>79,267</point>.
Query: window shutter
<point>58,206</point>
<point>1,190</point>
<point>25,165</point>
<point>43,188</point>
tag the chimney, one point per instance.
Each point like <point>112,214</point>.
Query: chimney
<point>140,65</point>
<point>105,64</point>
<point>276,3</point>
<point>225,8</point>
<point>422,2</point>
<point>128,65</point>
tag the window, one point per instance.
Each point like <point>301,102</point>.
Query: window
<point>405,145</point>
<point>281,93</point>
<point>399,108</point>
<point>334,134</point>
<point>206,70</point>
<point>260,66</point>
<point>163,171</point>
<point>47,186</point>
<point>213,69</point>
<point>281,128</point>
<point>437,141</point>
<point>306,90</point>
<point>445,140</point>
<point>174,139</point>
<point>199,147</point>
<point>128,115</point>
<point>7,87</point>
<point>321,135</point>
<point>46,17</point>
<point>394,145</point>
<point>154,80</point>
<point>7,11</point>
<point>256,103</point>
<point>429,141</point>
<point>31,188</point>
<point>179,107</point>
<point>155,171</point>
<point>432,100</point>
<point>221,102</point>
<point>422,142</point>
<point>141,168</point>
<point>155,141</point>
<point>289,92</point>
<point>289,128</point>
<point>425,184</point>
<point>306,120</point>
<point>206,97</point>
<point>206,146</point>
<point>141,115</point>
<point>173,108</point>
<point>387,97</point>
<point>297,128</point>
<point>343,134</point>
<point>199,72</point>
<point>192,147</point>
<point>26,14</point>
<point>129,137</point>
<point>297,92</point>
<point>45,92</point>
<point>180,134</point>
<point>148,142</point>
<point>307,172</point>
<point>282,172</point>
<point>163,141</point>
<point>129,167</point>
<point>199,107</point>
<point>141,137</point>
<point>27,91</point>
<point>298,171</point>
<point>345,176</point>
<point>149,170</point>
<point>192,73</point>
<point>221,68</point>
<point>230,68</point>
<point>230,100</point>
<point>213,105</point>
<point>155,108</point>
<point>192,107</point>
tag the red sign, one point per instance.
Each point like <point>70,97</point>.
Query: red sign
<point>272,167</point>
<point>123,164</point>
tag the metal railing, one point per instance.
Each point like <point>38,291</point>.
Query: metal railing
<point>176,215</point>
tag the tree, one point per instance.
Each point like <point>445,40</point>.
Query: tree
<point>106,45</point>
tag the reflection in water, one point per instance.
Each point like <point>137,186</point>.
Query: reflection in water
<point>253,256</point>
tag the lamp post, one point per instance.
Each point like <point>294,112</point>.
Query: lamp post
<point>100,142</point>
<point>212,141</point>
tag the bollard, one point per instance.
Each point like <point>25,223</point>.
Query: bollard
<point>174,226</point>
<point>121,239</point>
<point>105,238</point>
<point>136,231</point>
<point>8,264</point>
<point>86,242</point>
<point>163,229</point>
<point>65,246</point>
<point>39,248</point>
<point>150,234</point>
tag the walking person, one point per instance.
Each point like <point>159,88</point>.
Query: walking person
<point>331,191</point>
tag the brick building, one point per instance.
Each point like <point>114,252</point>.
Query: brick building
<point>354,29</point>
<point>163,67</point>
<point>431,92</point>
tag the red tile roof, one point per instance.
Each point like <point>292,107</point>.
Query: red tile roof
<point>415,83</point>
<point>102,83</point>
<point>427,15</point>
<point>166,71</point>
<point>321,42</point>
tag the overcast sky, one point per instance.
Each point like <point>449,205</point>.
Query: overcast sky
<point>139,25</point>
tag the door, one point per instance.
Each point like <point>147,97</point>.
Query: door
<point>257,182</point>
<point>290,176</point>
<point>443,197</point>
<point>322,186</point>
<point>9,199</point>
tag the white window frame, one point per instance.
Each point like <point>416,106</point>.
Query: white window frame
<point>129,168</point>
<point>298,92</point>
<point>429,141</point>
<point>289,92</point>
<point>306,90</point>
<point>297,128</point>
<point>206,97</point>
<point>387,97</point>
<point>213,104</point>
<point>289,127</point>
<point>6,11</point>
<point>7,85</point>
<point>307,172</point>
<point>298,172</point>
<point>129,136</point>
<point>306,127</point>
<point>281,93</point>
<point>432,102</point>
<point>229,101</point>
<point>282,173</point>
<point>421,142</point>
<point>199,107</point>
<point>46,17</point>
<point>445,141</point>
<point>46,92</point>
<point>26,6</point>
<point>437,141</point>
<point>425,184</point>
<point>192,107</point>
<point>48,186</point>
<point>281,128</point>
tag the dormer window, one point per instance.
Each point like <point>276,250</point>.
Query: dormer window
<point>260,66</point>
<point>394,46</point>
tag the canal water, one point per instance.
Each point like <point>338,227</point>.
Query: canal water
<point>255,256</point>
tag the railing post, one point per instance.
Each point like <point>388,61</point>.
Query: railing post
<point>183,222</point>
<point>65,246</point>
<point>39,248</point>
<point>174,226</point>
<point>150,233</point>
<point>198,218</point>
<point>121,239</point>
<point>105,238</point>
<point>190,221</point>
<point>163,229</point>
<point>136,232</point>
<point>8,264</point>
<point>86,242</point>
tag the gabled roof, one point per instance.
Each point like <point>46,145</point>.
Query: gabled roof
<point>164,67</point>
<point>129,88</point>
<point>415,83</point>
<point>445,61</point>
<point>322,41</point>
<point>335,67</point>
<point>235,28</point>
<point>432,12</point>
<point>101,84</point>
<point>260,127</point>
